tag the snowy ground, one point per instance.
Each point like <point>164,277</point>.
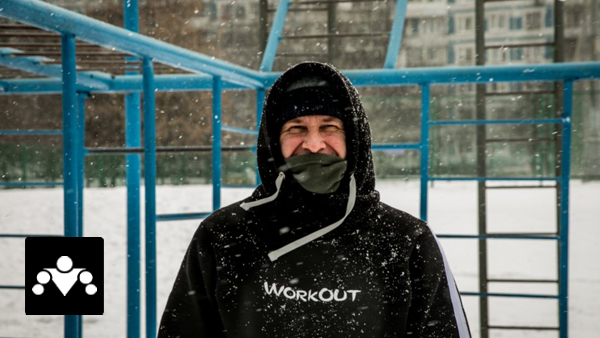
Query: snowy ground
<point>452,210</point>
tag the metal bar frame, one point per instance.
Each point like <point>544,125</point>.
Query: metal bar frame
<point>216,141</point>
<point>72,327</point>
<point>150,195</point>
<point>133,139</point>
<point>396,34</point>
<point>358,77</point>
<point>97,32</point>
<point>268,59</point>
<point>235,77</point>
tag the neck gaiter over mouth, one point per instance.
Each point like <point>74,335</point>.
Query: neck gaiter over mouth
<point>317,173</point>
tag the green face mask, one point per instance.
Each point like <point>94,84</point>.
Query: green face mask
<point>318,173</point>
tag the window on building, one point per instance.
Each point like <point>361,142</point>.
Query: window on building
<point>240,12</point>
<point>533,21</point>
<point>516,23</point>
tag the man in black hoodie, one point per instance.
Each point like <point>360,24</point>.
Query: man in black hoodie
<point>313,252</point>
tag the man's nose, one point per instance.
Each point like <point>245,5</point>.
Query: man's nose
<point>313,142</point>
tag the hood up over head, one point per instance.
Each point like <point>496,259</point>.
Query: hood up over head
<point>313,88</point>
<point>325,84</point>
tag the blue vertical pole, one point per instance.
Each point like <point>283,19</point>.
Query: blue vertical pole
<point>563,300</point>
<point>133,177</point>
<point>216,144</point>
<point>81,159</point>
<point>260,102</point>
<point>424,147</point>
<point>70,154</point>
<point>396,34</point>
<point>268,59</point>
<point>150,189</point>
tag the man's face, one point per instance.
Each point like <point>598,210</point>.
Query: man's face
<point>320,134</point>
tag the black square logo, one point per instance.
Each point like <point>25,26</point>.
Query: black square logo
<point>64,276</point>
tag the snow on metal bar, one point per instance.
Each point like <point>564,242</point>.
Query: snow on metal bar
<point>35,65</point>
<point>53,18</point>
<point>480,122</point>
<point>396,34</point>
<point>239,130</point>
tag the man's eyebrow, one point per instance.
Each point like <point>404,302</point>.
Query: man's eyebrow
<point>296,120</point>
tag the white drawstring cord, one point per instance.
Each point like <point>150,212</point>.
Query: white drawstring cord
<point>274,255</point>
<point>247,206</point>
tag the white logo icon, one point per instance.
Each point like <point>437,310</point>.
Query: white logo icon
<point>64,277</point>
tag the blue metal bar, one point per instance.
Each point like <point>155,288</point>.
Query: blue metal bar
<point>393,146</point>
<point>216,142</point>
<point>260,102</point>
<point>563,286</point>
<point>150,190</point>
<point>239,130</point>
<point>359,78</point>
<point>233,186</point>
<point>497,236</point>
<point>27,235</point>
<point>511,295</point>
<point>480,122</point>
<point>274,36</point>
<point>182,217</point>
<point>70,154</point>
<point>53,18</point>
<point>34,64</point>
<point>30,184</point>
<point>481,179</point>
<point>30,132</point>
<point>470,74</point>
<point>80,159</point>
<point>396,34</point>
<point>424,146</point>
<point>16,287</point>
<point>133,177</point>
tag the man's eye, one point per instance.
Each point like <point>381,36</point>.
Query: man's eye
<point>296,129</point>
<point>330,128</point>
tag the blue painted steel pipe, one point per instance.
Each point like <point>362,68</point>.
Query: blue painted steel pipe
<point>268,59</point>
<point>470,74</point>
<point>150,190</point>
<point>70,154</point>
<point>510,295</point>
<point>80,159</point>
<point>53,18</point>
<point>359,78</point>
<point>34,65</point>
<point>260,102</point>
<point>133,177</point>
<point>182,217</point>
<point>394,146</point>
<point>563,287</point>
<point>482,122</point>
<point>239,130</point>
<point>31,132</point>
<point>396,34</point>
<point>30,184</point>
<point>216,142</point>
<point>424,144</point>
<point>481,179</point>
<point>499,236</point>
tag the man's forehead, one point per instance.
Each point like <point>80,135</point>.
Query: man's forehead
<point>321,118</point>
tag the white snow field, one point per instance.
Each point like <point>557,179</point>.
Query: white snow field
<point>452,207</point>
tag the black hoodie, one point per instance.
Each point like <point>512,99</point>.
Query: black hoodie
<point>380,273</point>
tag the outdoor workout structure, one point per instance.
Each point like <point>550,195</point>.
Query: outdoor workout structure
<point>216,76</point>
